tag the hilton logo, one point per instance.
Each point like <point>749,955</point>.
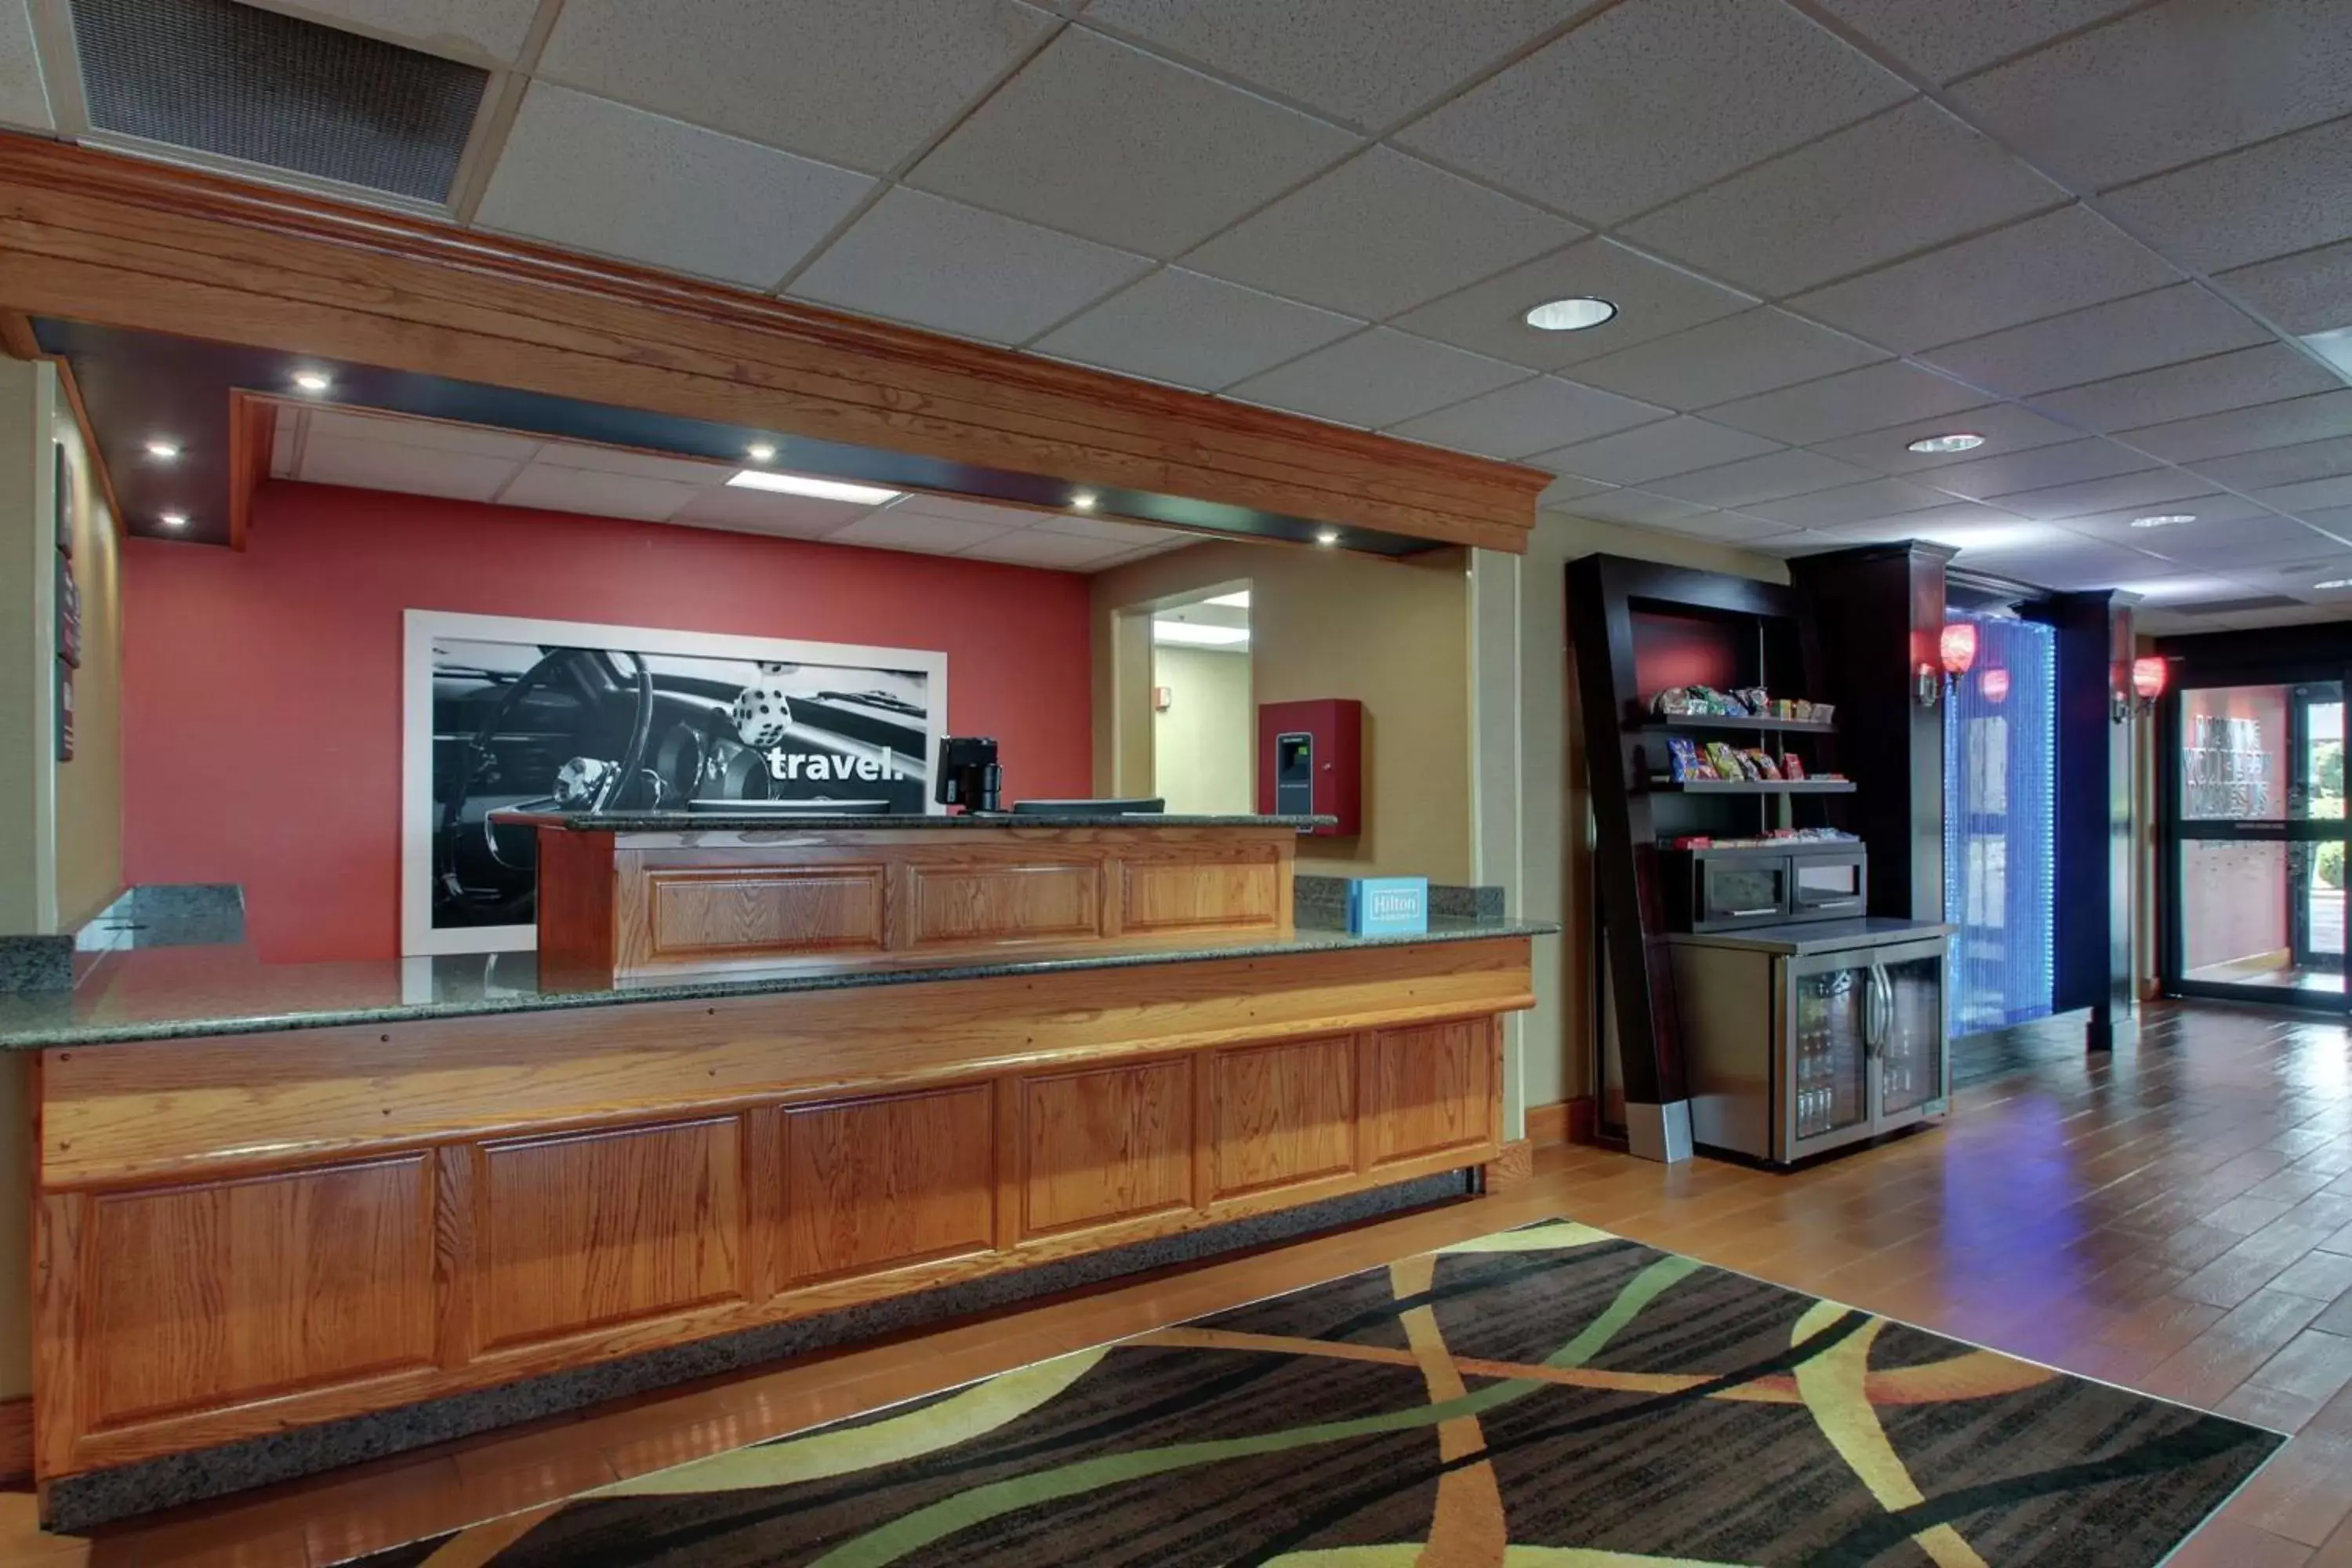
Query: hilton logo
<point>1393,904</point>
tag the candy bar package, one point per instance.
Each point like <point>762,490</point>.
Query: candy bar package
<point>1823,712</point>
<point>1765,766</point>
<point>1725,761</point>
<point>1686,762</point>
<point>1792,766</point>
<point>1800,709</point>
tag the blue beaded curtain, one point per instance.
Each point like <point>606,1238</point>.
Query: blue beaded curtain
<point>2000,825</point>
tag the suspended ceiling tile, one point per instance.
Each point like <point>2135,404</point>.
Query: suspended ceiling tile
<point>2270,373</point>
<point>1369,61</point>
<point>2280,464</point>
<point>1752,480</point>
<point>2157,489</point>
<point>412,470</point>
<point>2209,508</point>
<point>2307,293</point>
<point>1735,357</point>
<point>1674,446</point>
<point>1193,331</point>
<point>1130,534</point>
<point>1654,99</point>
<point>2161,327</point>
<point>1058,552</point>
<point>1566,489</point>
<point>23,99</point>
<point>592,175</point>
<point>1104,140</point>
<point>1728,528</point>
<point>553,489</point>
<point>768,511</point>
<point>480,32</point>
<point>1866,502</point>
<point>1633,506</point>
<point>2165,86</point>
<point>962,509</point>
<point>1346,241</point>
<point>2336,521</point>
<point>1871,399</point>
<point>432,435</point>
<point>2006,426</point>
<point>2225,542</point>
<point>2060,261</point>
<point>1653,299</point>
<point>916,257</point>
<point>1899,182</point>
<point>895,529</point>
<point>865,84</point>
<point>1530,417</point>
<point>2309,496</point>
<point>1944,40</point>
<point>2283,196</point>
<point>2316,418</point>
<point>2039,467</point>
<point>637,465</point>
<point>1376,379</point>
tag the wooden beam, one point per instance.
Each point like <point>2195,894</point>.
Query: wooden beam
<point>120,242</point>
<point>252,426</point>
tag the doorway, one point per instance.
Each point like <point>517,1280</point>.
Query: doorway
<point>2255,841</point>
<point>1201,715</point>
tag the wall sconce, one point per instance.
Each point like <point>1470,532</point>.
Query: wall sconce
<point>1994,684</point>
<point>2148,677</point>
<point>1958,649</point>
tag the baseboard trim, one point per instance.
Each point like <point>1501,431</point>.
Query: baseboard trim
<point>1564,1121</point>
<point>15,1439</point>
<point>1515,1164</point>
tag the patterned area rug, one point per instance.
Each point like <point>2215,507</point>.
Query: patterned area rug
<point>1548,1397</point>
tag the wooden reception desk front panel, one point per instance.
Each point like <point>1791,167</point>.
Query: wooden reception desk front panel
<point>657,905</point>
<point>245,1234</point>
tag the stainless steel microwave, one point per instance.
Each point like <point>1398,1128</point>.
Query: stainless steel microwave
<point>1733,887</point>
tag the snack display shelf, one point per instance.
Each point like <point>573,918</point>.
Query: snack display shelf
<point>1751,787</point>
<point>1750,723</point>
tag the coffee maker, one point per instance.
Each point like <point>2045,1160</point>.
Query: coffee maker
<point>968,775</point>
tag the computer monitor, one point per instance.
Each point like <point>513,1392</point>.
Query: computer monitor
<point>1140,806</point>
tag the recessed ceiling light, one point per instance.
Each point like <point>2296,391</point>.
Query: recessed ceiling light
<point>1084,500</point>
<point>2335,583</point>
<point>807,485</point>
<point>1570,315</point>
<point>2164,519</point>
<point>1239,601</point>
<point>1327,536</point>
<point>1198,636</point>
<point>174,520</point>
<point>1958,441</point>
<point>313,380</point>
<point>163,451</point>
<point>761,452</point>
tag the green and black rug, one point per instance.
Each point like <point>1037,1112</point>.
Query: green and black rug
<point>1548,1397</point>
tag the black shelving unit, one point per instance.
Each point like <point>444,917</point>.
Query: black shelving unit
<point>1750,723</point>
<point>1750,786</point>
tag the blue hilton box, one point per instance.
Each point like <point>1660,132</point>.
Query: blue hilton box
<point>1388,905</point>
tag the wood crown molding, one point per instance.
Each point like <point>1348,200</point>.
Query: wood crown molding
<point>115,241</point>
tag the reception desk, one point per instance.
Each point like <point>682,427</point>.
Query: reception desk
<point>273,1201</point>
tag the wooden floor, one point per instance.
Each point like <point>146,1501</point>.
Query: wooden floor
<point>2178,1219</point>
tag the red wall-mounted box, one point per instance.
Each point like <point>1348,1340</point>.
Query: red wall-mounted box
<point>1310,759</point>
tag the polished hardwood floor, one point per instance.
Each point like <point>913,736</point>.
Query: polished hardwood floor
<point>2176,1218</point>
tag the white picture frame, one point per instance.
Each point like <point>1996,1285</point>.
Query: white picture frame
<point>423,630</point>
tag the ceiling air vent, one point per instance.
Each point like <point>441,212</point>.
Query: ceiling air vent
<point>2236,606</point>
<point>246,83</point>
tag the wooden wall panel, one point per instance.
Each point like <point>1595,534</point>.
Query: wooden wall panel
<point>1107,1144</point>
<point>1221,893</point>
<point>769,908</point>
<point>213,1293</point>
<point>1429,1088</point>
<point>879,1184</point>
<point>602,1228</point>
<point>1281,1115</point>
<point>1003,903</point>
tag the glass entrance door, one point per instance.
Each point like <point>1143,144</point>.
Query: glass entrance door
<point>2255,843</point>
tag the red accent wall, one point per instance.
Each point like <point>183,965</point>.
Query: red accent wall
<point>261,701</point>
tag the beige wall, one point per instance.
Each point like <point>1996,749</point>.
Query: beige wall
<point>1555,811</point>
<point>1391,634</point>
<point>27,553</point>
<point>1201,742</point>
<point>89,788</point>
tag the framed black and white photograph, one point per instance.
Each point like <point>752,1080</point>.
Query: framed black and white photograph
<point>507,717</point>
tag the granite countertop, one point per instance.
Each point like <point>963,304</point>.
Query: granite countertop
<point>188,993</point>
<point>1798,939</point>
<point>797,821</point>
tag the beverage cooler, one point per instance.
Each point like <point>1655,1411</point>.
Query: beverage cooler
<point>1800,1039</point>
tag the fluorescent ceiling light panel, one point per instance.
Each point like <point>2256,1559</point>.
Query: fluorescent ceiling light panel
<point>808,485</point>
<point>1198,636</point>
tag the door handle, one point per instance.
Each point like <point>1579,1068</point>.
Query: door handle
<point>1750,914</point>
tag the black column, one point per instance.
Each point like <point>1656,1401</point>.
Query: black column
<point>2094,933</point>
